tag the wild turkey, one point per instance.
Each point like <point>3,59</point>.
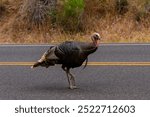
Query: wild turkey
<point>70,54</point>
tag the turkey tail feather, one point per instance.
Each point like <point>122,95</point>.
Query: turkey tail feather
<point>36,65</point>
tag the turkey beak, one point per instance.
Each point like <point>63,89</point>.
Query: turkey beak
<point>99,38</point>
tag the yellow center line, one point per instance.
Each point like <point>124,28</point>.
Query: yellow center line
<point>89,63</point>
<point>119,63</point>
<point>16,63</point>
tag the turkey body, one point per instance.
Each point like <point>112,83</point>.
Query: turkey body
<point>72,54</point>
<point>69,54</point>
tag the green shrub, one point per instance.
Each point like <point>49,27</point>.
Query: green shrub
<point>73,8</point>
<point>121,6</point>
<point>71,15</point>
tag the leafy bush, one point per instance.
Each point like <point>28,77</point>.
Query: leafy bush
<point>71,15</point>
<point>121,6</point>
<point>73,8</point>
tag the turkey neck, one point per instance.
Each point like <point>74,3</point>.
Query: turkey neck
<point>90,47</point>
<point>95,43</point>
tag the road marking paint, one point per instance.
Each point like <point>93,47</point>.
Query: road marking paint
<point>47,45</point>
<point>89,63</point>
<point>16,63</point>
<point>119,63</point>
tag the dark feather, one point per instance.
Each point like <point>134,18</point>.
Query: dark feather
<point>73,54</point>
<point>70,54</point>
<point>86,61</point>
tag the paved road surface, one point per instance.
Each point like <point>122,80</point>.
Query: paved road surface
<point>95,82</point>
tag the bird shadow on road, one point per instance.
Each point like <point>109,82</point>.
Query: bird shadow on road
<point>48,88</point>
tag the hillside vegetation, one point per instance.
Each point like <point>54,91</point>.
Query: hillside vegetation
<point>54,21</point>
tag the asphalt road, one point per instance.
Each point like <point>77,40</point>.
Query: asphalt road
<point>94,82</point>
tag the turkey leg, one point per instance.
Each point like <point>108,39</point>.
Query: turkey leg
<point>70,77</point>
<point>71,80</point>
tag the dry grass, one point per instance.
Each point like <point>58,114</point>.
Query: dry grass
<point>97,17</point>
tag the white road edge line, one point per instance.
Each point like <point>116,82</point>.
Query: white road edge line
<point>47,45</point>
